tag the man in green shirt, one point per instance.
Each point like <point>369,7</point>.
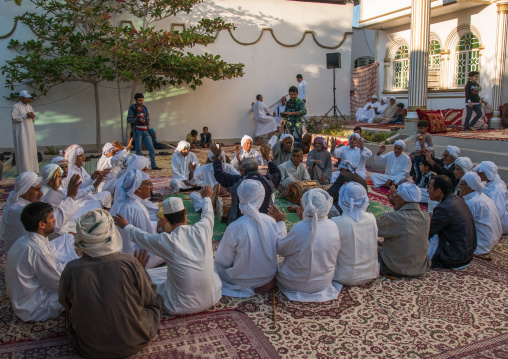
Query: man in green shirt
<point>294,111</point>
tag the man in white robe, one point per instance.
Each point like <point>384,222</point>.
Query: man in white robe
<point>357,261</point>
<point>355,152</point>
<point>246,259</point>
<point>310,252</point>
<point>291,171</point>
<point>180,166</point>
<point>397,166</point>
<point>373,112</point>
<point>484,211</point>
<point>31,274</point>
<point>363,114</point>
<point>388,114</point>
<point>90,185</point>
<point>204,175</point>
<point>25,148</point>
<point>265,122</point>
<point>111,159</point>
<point>495,190</point>
<point>131,162</point>
<point>131,205</point>
<point>189,284</point>
<point>244,151</point>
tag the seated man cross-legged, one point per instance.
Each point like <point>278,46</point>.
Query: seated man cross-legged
<point>292,170</point>
<point>319,162</point>
<point>397,166</point>
<point>180,165</point>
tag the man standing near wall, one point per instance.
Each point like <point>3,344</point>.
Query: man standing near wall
<point>302,90</point>
<point>295,109</point>
<point>25,148</point>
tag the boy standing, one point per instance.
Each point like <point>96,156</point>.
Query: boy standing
<point>295,109</point>
<point>423,140</point>
<point>472,101</point>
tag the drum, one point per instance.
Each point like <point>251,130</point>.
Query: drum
<point>298,188</point>
<point>226,207</point>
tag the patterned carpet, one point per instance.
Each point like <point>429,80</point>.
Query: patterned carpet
<point>442,314</point>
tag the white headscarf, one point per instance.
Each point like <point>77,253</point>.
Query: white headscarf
<point>385,99</point>
<point>125,163</point>
<point>72,152</point>
<point>107,148</point>
<point>285,135</point>
<point>373,96</point>
<point>353,200</point>
<point>97,235</point>
<point>181,146</point>
<point>48,171</point>
<point>454,151</point>
<point>23,183</point>
<point>59,160</point>
<point>489,168</point>
<point>465,164</point>
<point>245,138</point>
<point>400,143</point>
<point>473,181</point>
<point>136,163</point>
<point>316,205</point>
<point>393,98</point>
<point>410,192</point>
<point>130,183</point>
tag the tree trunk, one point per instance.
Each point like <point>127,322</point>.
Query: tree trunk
<point>97,116</point>
<point>121,110</point>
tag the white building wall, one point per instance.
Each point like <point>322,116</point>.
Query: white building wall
<point>223,106</point>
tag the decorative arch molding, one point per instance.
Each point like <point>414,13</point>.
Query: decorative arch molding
<point>6,36</point>
<point>457,33</point>
<point>434,36</point>
<point>394,45</point>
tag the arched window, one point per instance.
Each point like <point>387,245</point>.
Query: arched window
<point>434,54</point>
<point>467,58</point>
<point>401,68</point>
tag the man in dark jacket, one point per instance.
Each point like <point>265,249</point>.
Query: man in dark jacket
<point>446,165</point>
<point>452,229</point>
<point>249,170</point>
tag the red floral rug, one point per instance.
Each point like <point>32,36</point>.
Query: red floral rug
<point>491,135</point>
<point>495,348</point>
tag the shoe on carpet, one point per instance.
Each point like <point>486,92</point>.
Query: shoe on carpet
<point>156,168</point>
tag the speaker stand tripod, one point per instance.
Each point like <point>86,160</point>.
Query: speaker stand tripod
<point>334,107</point>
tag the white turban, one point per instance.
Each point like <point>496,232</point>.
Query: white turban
<point>48,171</point>
<point>125,163</point>
<point>136,163</point>
<point>465,164</point>
<point>72,152</point>
<point>172,205</point>
<point>244,139</point>
<point>353,200</point>
<point>393,98</point>
<point>410,192</point>
<point>489,168</point>
<point>354,134</point>
<point>222,155</point>
<point>316,205</point>
<point>385,99</point>
<point>97,235</point>
<point>473,181</point>
<point>59,160</point>
<point>107,148</point>
<point>182,145</point>
<point>286,135</point>
<point>400,143</point>
<point>132,181</point>
<point>373,96</point>
<point>23,183</point>
<point>454,151</point>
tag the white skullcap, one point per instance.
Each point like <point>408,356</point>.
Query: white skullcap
<point>72,152</point>
<point>393,98</point>
<point>316,205</point>
<point>409,192</point>
<point>182,145</point>
<point>400,143</point>
<point>454,151</point>
<point>172,205</point>
<point>286,135</point>
<point>385,99</point>
<point>473,181</point>
<point>354,134</point>
<point>97,235</point>
<point>48,171</point>
<point>489,168</point>
<point>245,138</point>
<point>24,93</point>
<point>353,200</point>
<point>107,148</point>
<point>373,96</point>
<point>59,160</point>
<point>465,164</point>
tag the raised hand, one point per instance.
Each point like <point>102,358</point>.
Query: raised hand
<point>206,192</point>
<point>120,221</point>
<point>265,151</point>
<point>215,149</point>
<point>276,214</point>
<point>238,150</point>
<point>299,211</point>
<point>382,148</point>
<point>73,187</point>
<point>192,166</point>
<point>142,256</point>
<point>117,145</point>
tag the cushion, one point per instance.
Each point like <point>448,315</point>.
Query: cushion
<point>452,117</point>
<point>435,120</point>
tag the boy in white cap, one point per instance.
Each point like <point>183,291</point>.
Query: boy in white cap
<point>397,166</point>
<point>25,148</point>
<point>188,284</point>
<point>362,114</point>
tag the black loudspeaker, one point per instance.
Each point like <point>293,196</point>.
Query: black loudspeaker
<point>333,60</point>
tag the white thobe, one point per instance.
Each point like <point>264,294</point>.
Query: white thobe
<point>280,110</point>
<point>307,277</point>
<point>496,190</point>
<point>244,154</point>
<point>25,147</point>
<point>373,113</point>
<point>113,163</point>
<point>86,187</point>
<point>32,279</point>
<point>354,155</point>
<point>135,212</point>
<point>180,167</point>
<point>188,285</point>
<point>363,114</point>
<point>486,220</point>
<point>264,122</point>
<point>204,176</point>
<point>397,168</point>
<point>55,198</point>
<point>241,261</point>
<point>289,173</point>
<point>357,262</point>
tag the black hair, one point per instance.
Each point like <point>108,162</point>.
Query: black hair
<point>422,123</point>
<point>258,97</point>
<point>138,95</point>
<point>293,89</point>
<point>299,76</point>
<point>175,218</point>
<point>400,104</point>
<point>425,163</point>
<point>444,183</point>
<point>297,150</point>
<point>204,128</point>
<point>357,128</point>
<point>194,132</point>
<point>473,73</point>
<point>34,213</point>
